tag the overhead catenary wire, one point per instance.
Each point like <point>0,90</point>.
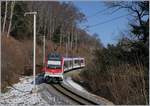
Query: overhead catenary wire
<point>107,21</point>
<point>98,12</point>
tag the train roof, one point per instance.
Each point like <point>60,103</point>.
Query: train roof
<point>57,56</point>
<point>66,58</point>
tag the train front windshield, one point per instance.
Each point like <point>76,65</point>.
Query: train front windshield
<point>54,61</point>
<point>54,64</point>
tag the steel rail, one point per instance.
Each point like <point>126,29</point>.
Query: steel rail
<point>72,95</point>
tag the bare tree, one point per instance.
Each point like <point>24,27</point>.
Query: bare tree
<point>61,35</point>
<point>11,15</point>
<point>4,23</point>
<point>139,11</point>
<point>76,38</point>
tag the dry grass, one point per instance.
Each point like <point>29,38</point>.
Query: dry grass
<point>11,57</point>
<point>124,84</point>
<point>127,85</point>
<point>16,56</point>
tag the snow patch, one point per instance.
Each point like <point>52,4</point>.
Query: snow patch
<point>21,94</point>
<point>68,81</point>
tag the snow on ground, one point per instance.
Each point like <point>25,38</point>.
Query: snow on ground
<point>68,81</point>
<point>21,94</point>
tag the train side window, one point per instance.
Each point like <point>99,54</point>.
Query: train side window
<point>70,63</point>
<point>79,62</point>
<point>66,64</point>
<point>76,61</point>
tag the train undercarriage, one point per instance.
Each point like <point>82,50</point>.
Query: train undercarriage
<point>53,79</point>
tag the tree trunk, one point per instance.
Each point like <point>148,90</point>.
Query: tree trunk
<point>71,39</point>
<point>4,23</point>
<point>68,44</point>
<point>76,45</point>
<point>45,29</point>
<point>45,23</point>
<point>50,26</point>
<point>11,15</point>
<point>61,35</point>
<point>53,26</point>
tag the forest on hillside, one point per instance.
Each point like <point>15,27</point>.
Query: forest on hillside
<point>57,21</point>
<point>118,72</point>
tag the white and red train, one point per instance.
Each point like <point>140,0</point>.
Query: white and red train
<point>56,65</point>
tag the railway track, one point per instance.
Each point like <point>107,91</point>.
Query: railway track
<point>72,95</point>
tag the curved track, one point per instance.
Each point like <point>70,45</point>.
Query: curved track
<point>72,95</point>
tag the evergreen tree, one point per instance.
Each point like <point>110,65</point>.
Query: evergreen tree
<point>21,25</point>
<point>56,35</point>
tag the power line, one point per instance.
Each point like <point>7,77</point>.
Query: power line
<point>100,23</point>
<point>101,11</point>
